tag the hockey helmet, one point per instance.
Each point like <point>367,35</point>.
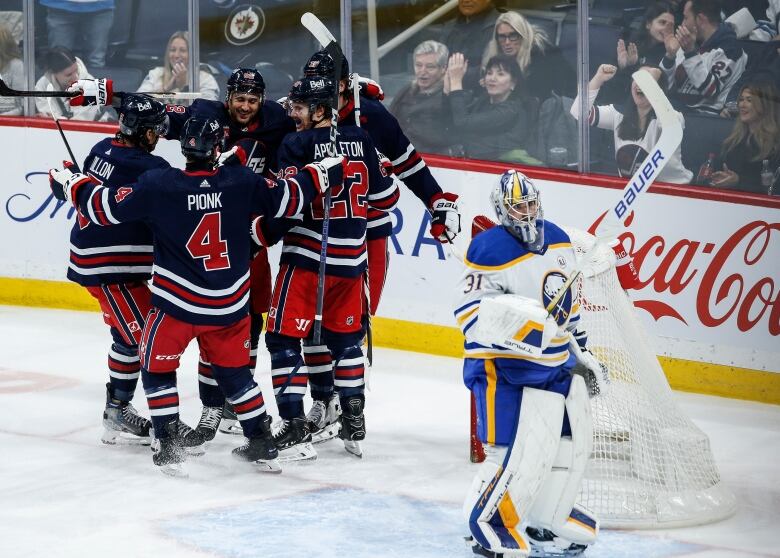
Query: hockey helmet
<point>141,112</point>
<point>200,137</point>
<point>321,64</point>
<point>518,206</point>
<point>314,91</point>
<point>245,80</point>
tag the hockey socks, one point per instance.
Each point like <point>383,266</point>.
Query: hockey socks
<point>124,369</point>
<point>319,364</point>
<point>245,396</point>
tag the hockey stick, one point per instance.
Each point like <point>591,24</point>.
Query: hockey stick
<point>62,133</point>
<point>6,91</point>
<point>328,42</point>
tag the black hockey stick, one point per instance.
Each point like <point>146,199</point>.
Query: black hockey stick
<point>328,42</point>
<point>62,133</point>
<point>6,91</point>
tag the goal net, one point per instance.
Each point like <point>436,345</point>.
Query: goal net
<point>651,467</point>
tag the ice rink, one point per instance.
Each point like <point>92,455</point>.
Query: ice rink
<point>63,493</point>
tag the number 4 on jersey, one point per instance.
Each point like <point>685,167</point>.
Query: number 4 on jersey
<point>206,243</point>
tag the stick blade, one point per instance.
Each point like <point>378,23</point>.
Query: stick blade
<point>317,28</point>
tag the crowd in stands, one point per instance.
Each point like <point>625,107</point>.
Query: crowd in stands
<point>497,83</point>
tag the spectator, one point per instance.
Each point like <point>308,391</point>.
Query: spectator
<point>543,67</point>
<point>82,25</point>
<point>636,129</point>
<point>12,70</point>
<point>755,138</point>
<point>172,76</point>
<point>62,69</point>
<point>468,34</point>
<point>763,67</point>
<point>701,78</point>
<point>646,47</point>
<point>494,124</point>
<point>419,107</point>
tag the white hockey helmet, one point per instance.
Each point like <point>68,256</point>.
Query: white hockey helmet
<point>518,206</point>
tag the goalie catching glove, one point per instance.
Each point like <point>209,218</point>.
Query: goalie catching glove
<point>64,183</point>
<point>515,322</point>
<point>91,92</point>
<point>445,218</point>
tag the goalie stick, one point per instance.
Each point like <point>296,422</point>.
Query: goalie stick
<point>6,91</point>
<point>610,226</point>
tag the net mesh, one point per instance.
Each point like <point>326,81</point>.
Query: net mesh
<point>650,466</point>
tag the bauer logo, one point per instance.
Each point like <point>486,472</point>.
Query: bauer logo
<point>641,180</point>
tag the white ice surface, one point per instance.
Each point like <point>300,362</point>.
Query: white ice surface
<point>63,493</point>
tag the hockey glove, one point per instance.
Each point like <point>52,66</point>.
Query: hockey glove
<point>92,92</point>
<point>233,156</point>
<point>370,89</point>
<point>445,218</point>
<point>624,265</point>
<point>64,184</point>
<point>327,173</point>
<point>595,372</point>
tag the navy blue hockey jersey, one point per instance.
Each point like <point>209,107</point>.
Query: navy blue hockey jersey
<point>260,139</point>
<point>120,254</point>
<point>366,186</point>
<point>201,226</point>
<point>390,140</point>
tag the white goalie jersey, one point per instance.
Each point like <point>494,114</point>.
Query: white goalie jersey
<point>497,263</point>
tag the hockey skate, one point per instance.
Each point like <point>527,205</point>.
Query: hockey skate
<point>260,449</point>
<point>191,441</point>
<point>293,440</point>
<point>168,454</point>
<point>546,544</point>
<point>353,426</point>
<point>210,418</point>
<point>122,424</point>
<point>323,419</point>
<point>229,423</point>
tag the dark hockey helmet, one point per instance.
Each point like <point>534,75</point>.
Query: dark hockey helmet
<point>314,91</point>
<point>245,80</point>
<point>200,137</point>
<point>141,112</point>
<point>321,64</point>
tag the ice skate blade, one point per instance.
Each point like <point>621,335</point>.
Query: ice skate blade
<point>299,452</point>
<point>227,426</point>
<point>174,470</point>
<point>479,550</point>
<point>116,438</point>
<point>353,448</point>
<point>195,451</point>
<point>327,433</point>
<point>268,466</point>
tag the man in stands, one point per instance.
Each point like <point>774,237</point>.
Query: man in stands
<point>703,58</point>
<point>419,107</point>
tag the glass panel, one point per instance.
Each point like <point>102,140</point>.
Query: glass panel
<point>11,58</point>
<point>472,85</point>
<point>123,40</point>
<point>265,35</point>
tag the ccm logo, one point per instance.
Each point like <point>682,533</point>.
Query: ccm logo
<point>644,179</point>
<point>167,357</point>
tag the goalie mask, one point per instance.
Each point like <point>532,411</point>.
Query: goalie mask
<point>518,207</point>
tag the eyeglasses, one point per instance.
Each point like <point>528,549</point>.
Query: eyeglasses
<point>513,36</point>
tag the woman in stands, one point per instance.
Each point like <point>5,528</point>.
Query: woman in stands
<point>543,68</point>
<point>12,70</point>
<point>62,69</point>
<point>755,138</point>
<point>493,124</point>
<point>635,126</point>
<point>645,48</point>
<point>173,75</point>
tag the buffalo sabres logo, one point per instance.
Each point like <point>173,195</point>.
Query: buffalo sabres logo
<point>552,284</point>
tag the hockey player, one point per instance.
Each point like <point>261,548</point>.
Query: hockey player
<point>410,168</point>
<point>290,319</point>
<point>200,219</point>
<point>254,128</point>
<point>533,414</point>
<point>115,263</point>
